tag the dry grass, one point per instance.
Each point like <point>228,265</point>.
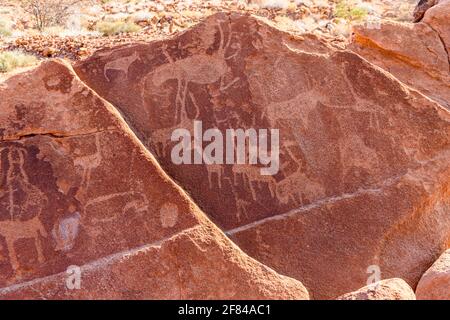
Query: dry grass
<point>5,28</point>
<point>109,28</point>
<point>10,60</point>
<point>274,4</point>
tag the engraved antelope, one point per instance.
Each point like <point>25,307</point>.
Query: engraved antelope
<point>89,162</point>
<point>251,175</point>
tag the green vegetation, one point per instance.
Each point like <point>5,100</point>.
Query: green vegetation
<point>347,11</point>
<point>10,60</point>
<point>109,28</point>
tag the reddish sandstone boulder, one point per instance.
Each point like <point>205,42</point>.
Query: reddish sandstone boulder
<point>79,189</point>
<point>422,7</point>
<point>437,18</point>
<point>197,263</point>
<point>390,289</point>
<point>417,54</point>
<point>435,283</point>
<point>364,160</point>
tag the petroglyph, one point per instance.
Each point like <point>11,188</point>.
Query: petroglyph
<point>297,187</point>
<point>159,138</point>
<point>283,110</point>
<point>89,162</point>
<point>199,69</point>
<point>121,64</point>
<point>21,204</point>
<point>135,200</point>
<point>217,170</point>
<point>252,178</point>
<point>168,215</point>
<point>13,231</point>
<point>241,205</point>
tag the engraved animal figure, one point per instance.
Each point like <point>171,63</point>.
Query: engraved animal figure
<point>19,200</point>
<point>200,69</point>
<point>218,169</point>
<point>132,200</point>
<point>13,231</point>
<point>297,188</point>
<point>89,162</point>
<point>294,109</point>
<point>241,205</point>
<point>251,175</point>
<point>121,64</point>
<point>159,137</point>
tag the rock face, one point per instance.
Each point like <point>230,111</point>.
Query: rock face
<point>79,189</point>
<point>421,8</point>
<point>435,283</point>
<point>364,160</point>
<point>417,54</point>
<point>437,18</point>
<point>390,289</point>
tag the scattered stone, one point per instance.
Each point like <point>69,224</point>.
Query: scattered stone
<point>49,52</point>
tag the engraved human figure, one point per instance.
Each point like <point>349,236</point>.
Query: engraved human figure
<point>21,204</point>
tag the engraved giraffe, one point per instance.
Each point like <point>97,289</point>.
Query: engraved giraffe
<point>199,68</point>
<point>20,198</point>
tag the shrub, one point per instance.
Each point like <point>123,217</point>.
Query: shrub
<point>108,28</point>
<point>345,10</point>
<point>10,60</point>
<point>49,12</point>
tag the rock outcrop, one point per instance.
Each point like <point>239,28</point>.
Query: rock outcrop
<point>364,159</point>
<point>417,54</point>
<point>421,8</point>
<point>435,283</point>
<point>80,193</point>
<point>390,289</point>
